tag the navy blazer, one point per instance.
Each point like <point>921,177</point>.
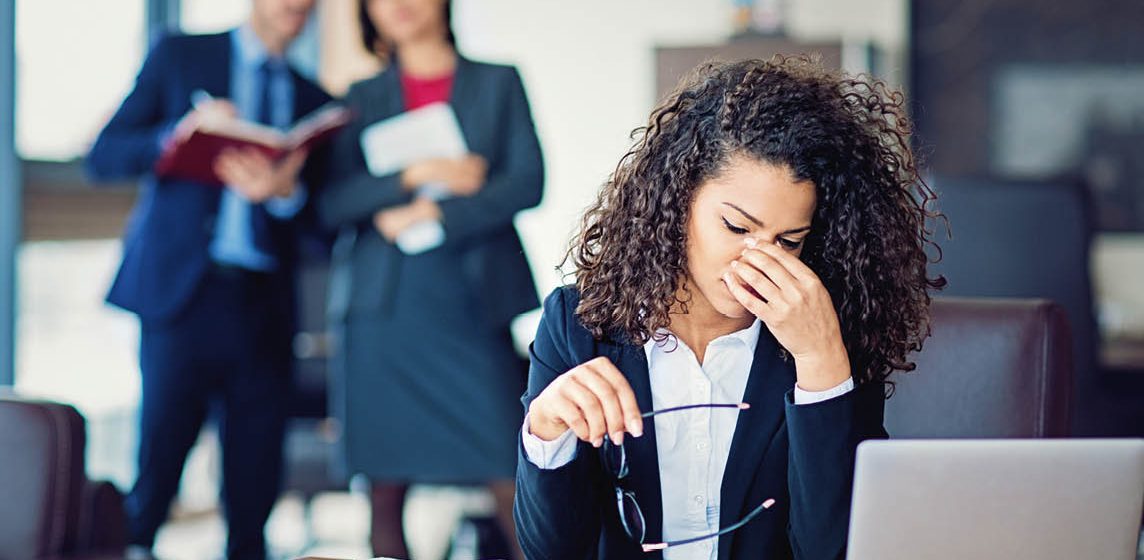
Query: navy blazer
<point>166,244</point>
<point>495,120</point>
<point>802,456</point>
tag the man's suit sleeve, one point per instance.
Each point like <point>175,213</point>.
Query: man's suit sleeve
<point>130,143</point>
<point>312,179</point>
<point>557,511</point>
<point>823,440</point>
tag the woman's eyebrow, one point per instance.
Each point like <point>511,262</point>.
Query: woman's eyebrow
<point>745,214</point>
<point>759,222</point>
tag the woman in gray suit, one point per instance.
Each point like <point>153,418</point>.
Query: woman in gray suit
<point>430,380</point>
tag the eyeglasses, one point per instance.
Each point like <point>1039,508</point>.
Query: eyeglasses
<point>615,459</point>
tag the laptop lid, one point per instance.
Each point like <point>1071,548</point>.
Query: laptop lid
<point>1005,499</point>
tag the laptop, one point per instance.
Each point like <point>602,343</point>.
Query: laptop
<point>1065,499</point>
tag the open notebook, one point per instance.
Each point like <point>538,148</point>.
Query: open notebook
<point>193,157</point>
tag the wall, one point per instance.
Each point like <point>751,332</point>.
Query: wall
<point>588,67</point>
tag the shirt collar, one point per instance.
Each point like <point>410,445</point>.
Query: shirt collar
<point>748,336</point>
<point>250,50</point>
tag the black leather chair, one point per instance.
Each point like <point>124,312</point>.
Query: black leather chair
<point>993,368</point>
<point>1029,239</point>
<point>49,510</point>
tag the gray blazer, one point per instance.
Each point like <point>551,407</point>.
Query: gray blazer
<point>495,119</point>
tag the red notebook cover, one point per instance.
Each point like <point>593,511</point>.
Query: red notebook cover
<point>193,157</point>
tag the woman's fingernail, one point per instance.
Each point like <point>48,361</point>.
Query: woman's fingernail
<point>734,264</point>
<point>597,442</point>
<point>618,438</point>
<point>751,242</point>
<point>636,428</point>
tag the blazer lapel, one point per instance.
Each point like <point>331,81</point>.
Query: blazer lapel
<point>770,379</point>
<point>460,98</point>
<point>213,76</point>
<point>390,81</point>
<point>463,95</point>
<point>306,100</point>
<point>216,57</point>
<point>642,454</point>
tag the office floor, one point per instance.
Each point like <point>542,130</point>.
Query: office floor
<point>338,526</point>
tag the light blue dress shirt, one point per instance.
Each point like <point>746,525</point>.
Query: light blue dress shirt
<point>233,238</point>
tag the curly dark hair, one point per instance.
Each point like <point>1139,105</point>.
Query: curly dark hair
<point>849,136</point>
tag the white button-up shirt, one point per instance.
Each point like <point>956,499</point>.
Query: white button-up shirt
<point>692,445</point>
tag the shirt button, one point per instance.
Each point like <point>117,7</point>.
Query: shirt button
<point>699,499</point>
<point>701,445</point>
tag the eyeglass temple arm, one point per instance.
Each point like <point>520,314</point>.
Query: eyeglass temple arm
<point>651,547</point>
<point>740,406</point>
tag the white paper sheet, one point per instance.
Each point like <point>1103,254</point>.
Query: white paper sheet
<point>424,133</point>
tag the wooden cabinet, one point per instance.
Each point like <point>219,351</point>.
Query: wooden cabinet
<point>672,63</point>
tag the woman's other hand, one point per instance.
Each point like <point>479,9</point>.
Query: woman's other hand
<point>462,176</point>
<point>592,399</point>
<point>392,221</point>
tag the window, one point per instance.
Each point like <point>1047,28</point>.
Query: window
<point>61,50</point>
<point>212,16</point>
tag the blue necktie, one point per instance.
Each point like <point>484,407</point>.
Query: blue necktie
<point>260,234</point>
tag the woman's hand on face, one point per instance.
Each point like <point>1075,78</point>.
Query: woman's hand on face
<point>592,399</point>
<point>463,176</point>
<point>784,293</point>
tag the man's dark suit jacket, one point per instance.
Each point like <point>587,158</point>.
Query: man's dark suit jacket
<point>165,247</point>
<point>802,456</point>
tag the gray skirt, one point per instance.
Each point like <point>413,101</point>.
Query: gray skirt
<point>430,392</point>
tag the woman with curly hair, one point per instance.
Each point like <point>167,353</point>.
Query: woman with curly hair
<point>749,276</point>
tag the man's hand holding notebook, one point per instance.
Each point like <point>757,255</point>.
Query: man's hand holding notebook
<point>212,127</point>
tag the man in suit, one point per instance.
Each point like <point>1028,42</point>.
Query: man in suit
<point>209,270</point>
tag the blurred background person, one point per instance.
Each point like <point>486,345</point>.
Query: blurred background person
<point>430,377</point>
<point>208,270</point>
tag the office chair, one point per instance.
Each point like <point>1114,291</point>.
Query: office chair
<point>50,509</point>
<point>1027,239</point>
<point>993,368</point>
